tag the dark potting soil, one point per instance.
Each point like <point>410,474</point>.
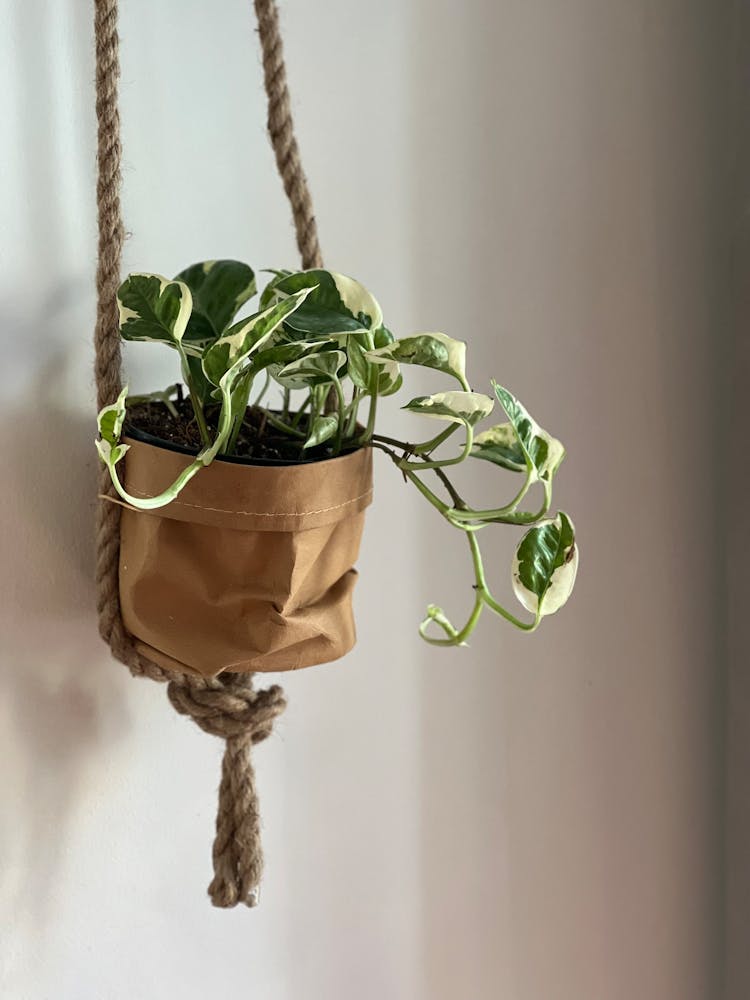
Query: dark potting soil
<point>258,440</point>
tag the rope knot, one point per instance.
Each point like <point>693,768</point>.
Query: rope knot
<point>227,706</point>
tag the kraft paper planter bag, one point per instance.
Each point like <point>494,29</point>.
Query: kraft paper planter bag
<point>251,568</point>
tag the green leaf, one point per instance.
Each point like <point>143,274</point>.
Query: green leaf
<point>245,337</point>
<point>153,308</point>
<point>430,350</point>
<point>545,565</point>
<point>219,289</point>
<point>338,304</point>
<point>543,453</point>
<point>315,321</point>
<point>382,337</point>
<point>312,369</point>
<point>501,446</point>
<point>324,426</point>
<point>458,407</point>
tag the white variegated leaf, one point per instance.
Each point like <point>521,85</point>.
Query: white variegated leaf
<point>545,565</point>
<point>501,446</point>
<point>339,305</point>
<point>152,307</point>
<point>458,407</point>
<point>249,335</point>
<point>111,419</point>
<point>323,428</point>
<point>219,289</point>
<point>430,350</point>
<point>542,452</point>
<point>313,369</point>
<point>110,454</point>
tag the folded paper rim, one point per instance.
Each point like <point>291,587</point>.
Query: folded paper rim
<point>252,497</point>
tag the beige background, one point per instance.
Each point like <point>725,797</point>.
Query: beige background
<point>530,819</point>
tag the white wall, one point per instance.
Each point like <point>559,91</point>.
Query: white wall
<point>533,818</point>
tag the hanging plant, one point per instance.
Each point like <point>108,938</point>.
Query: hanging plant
<point>229,527</point>
<point>320,336</point>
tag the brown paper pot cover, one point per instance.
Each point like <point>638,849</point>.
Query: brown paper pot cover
<point>251,568</point>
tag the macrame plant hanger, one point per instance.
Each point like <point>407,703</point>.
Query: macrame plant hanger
<point>226,706</point>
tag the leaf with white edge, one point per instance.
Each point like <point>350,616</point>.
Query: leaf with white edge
<point>387,387</point>
<point>338,304</point>
<point>313,369</point>
<point>458,407</point>
<point>110,454</point>
<point>358,368</point>
<point>219,289</point>
<point>430,350</point>
<point>545,565</point>
<point>111,419</point>
<point>280,355</point>
<point>542,452</point>
<point>153,308</point>
<point>383,358</point>
<point>382,336</point>
<point>501,446</point>
<point>247,336</point>
<point>324,426</point>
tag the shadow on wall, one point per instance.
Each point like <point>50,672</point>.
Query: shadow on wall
<point>60,700</point>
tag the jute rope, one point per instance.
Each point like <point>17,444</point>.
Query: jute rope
<point>226,706</point>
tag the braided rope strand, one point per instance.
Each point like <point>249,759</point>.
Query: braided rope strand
<point>281,132</point>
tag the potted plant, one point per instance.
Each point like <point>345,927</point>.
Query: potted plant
<point>242,521</point>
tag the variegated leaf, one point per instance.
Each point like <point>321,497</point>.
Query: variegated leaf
<point>338,305</point>
<point>247,336</point>
<point>358,368</point>
<point>110,454</point>
<point>543,453</point>
<point>430,350</point>
<point>111,419</point>
<point>153,308</point>
<point>458,407</point>
<point>312,369</point>
<point>219,289</point>
<point>501,446</point>
<point>545,565</point>
<point>324,426</point>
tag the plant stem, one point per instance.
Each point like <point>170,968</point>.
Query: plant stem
<point>264,389</point>
<point>341,406</point>
<point>158,397</point>
<point>352,413</point>
<point>280,425</point>
<point>298,415</point>
<point>368,431</point>
<point>195,402</point>
<point>483,597</point>
<point>441,463</point>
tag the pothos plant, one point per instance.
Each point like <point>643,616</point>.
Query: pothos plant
<point>320,336</point>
